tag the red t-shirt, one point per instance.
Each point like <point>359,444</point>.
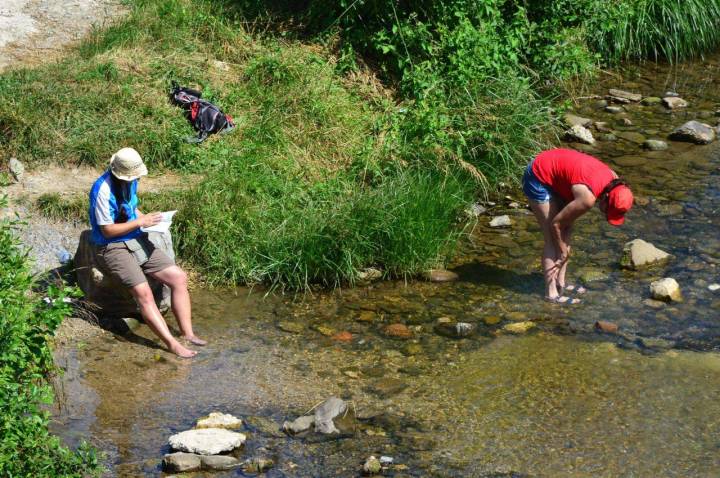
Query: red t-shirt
<point>561,168</point>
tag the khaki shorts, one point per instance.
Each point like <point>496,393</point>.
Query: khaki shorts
<point>118,259</point>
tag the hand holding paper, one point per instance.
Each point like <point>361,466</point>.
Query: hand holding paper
<point>163,225</point>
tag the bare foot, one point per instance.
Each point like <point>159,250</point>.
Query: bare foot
<point>182,352</point>
<point>195,340</point>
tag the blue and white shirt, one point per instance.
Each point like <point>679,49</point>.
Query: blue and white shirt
<point>110,203</point>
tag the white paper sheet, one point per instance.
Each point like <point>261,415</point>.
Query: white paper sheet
<point>163,225</point>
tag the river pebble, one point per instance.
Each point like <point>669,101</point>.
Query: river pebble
<point>181,462</point>
<point>667,290</point>
<point>501,221</point>
<point>674,102</point>
<point>219,462</point>
<point>714,287</point>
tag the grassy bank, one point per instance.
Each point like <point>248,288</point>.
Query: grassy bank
<point>26,324</point>
<point>364,128</point>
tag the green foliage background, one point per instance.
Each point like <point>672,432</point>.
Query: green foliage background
<point>27,449</point>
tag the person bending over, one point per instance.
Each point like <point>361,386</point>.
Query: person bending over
<point>124,251</point>
<point>562,185</point>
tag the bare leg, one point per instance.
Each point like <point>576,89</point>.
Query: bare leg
<point>544,213</point>
<point>145,300</point>
<point>561,273</point>
<point>176,279</point>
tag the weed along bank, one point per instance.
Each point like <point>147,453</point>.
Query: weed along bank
<point>315,254</point>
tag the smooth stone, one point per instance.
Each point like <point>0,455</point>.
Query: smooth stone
<point>606,327</point>
<point>219,462</point>
<point>580,134</point>
<point>588,275</point>
<point>449,327</point>
<point>674,102</point>
<point>634,97</point>
<point>299,425</point>
<point>655,145</point>
<point>618,99</point>
<point>713,287</point>
<point>258,465</point>
<point>366,316</point>
<point>291,327</point>
<point>651,101</point>
<point>492,320</point>
<point>654,304</point>
<point>323,330</point>
<point>631,136</point>
<point>206,441</point>
<point>219,420</point>
<point>501,221</point>
<point>638,254</point>
<point>343,336</point>
<point>519,327</point>
<point>326,412</point>
<point>440,275</point>
<point>17,169</point>
<point>398,331</point>
<point>602,127</point>
<point>181,462</point>
<point>694,132</point>
<point>372,466</point>
<point>667,290</point>
<point>387,387</point>
<point>571,120</point>
<point>614,109</point>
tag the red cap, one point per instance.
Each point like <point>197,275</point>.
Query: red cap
<point>620,200</point>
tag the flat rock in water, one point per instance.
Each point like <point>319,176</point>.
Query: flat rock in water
<point>519,327</point>
<point>206,441</point>
<point>674,102</point>
<point>264,425</point>
<point>298,425</point>
<point>219,462</point>
<point>602,127</point>
<point>579,134</point>
<point>440,275</point>
<point>501,221</point>
<point>219,420</point>
<point>714,287</point>
<point>592,275</point>
<point>634,97</point>
<point>181,462</point>
<point>694,132</point>
<point>326,412</point>
<point>606,327</point>
<point>387,387</point>
<point>666,290</point>
<point>651,101</point>
<point>614,109</point>
<point>638,254</point>
<point>291,327</point>
<point>571,120</point>
<point>398,331</point>
<point>631,136</point>
<point>655,145</point>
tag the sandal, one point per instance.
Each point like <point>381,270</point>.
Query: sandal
<point>577,289</point>
<point>562,300</point>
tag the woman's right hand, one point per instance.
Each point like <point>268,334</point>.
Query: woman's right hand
<point>150,219</point>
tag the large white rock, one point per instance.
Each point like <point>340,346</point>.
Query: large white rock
<point>579,134</point>
<point>206,441</point>
<point>219,420</point>
<point>694,132</point>
<point>501,221</point>
<point>667,290</point>
<point>638,253</point>
<point>674,102</point>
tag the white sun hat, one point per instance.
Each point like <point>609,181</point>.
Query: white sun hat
<point>127,165</point>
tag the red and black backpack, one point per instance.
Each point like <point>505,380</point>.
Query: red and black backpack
<point>205,117</point>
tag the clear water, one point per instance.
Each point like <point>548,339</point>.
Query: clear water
<point>559,401</point>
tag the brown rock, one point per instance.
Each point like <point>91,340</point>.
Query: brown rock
<point>343,336</point>
<point>398,331</point>
<point>605,326</point>
<point>626,95</point>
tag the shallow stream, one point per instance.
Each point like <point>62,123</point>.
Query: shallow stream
<point>560,400</point>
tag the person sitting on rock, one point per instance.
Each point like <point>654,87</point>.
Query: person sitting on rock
<point>124,250</point>
<point>562,185</point>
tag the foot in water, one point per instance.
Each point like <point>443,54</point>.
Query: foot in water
<point>571,288</point>
<point>195,340</point>
<point>562,299</point>
<point>181,351</point>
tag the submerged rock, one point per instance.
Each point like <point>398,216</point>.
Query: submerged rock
<point>501,221</point>
<point>590,274</point>
<point>713,287</point>
<point>571,120</point>
<point>519,327</point>
<point>651,101</point>
<point>386,387</point>
<point>372,466</point>
<point>206,441</point>
<point>291,327</point>
<point>219,420</point>
<point>667,290</point>
<point>181,462</point>
<point>605,326</point>
<point>638,254</point>
<point>694,132</point>
<point>398,331</point>
<point>299,425</point>
<point>631,136</point>
<point>440,275</point>
<point>219,462</point>
<point>625,95</point>
<point>602,127</point>
<point>674,102</point>
<point>655,145</point>
<point>258,465</point>
<point>449,327</point>
<point>579,134</point>
<point>614,109</point>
